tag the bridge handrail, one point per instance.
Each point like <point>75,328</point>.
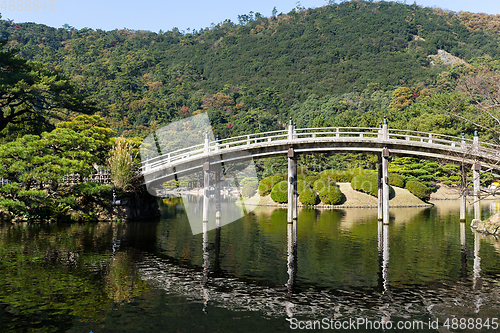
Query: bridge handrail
<point>337,131</point>
<point>329,128</point>
<point>244,141</point>
<point>436,136</point>
<point>247,136</point>
<point>301,133</point>
<point>174,155</point>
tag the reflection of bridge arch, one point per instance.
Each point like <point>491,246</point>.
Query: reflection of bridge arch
<point>382,141</point>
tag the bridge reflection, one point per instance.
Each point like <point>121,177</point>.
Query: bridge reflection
<point>214,287</point>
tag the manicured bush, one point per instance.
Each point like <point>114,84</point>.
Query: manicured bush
<point>249,189</point>
<point>302,171</point>
<point>301,176</point>
<point>323,183</point>
<point>279,193</point>
<point>367,183</point>
<point>396,180</point>
<point>301,186</point>
<point>341,176</point>
<point>310,180</point>
<point>336,175</point>
<point>309,197</point>
<point>418,189</point>
<point>332,196</point>
<point>266,185</point>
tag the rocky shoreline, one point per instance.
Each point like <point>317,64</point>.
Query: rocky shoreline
<point>490,227</point>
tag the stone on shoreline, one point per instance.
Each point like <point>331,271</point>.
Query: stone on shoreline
<point>490,226</point>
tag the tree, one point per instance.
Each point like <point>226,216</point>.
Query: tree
<point>483,91</point>
<point>35,165</point>
<point>92,127</point>
<point>29,89</point>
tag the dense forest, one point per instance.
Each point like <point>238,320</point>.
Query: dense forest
<point>339,64</point>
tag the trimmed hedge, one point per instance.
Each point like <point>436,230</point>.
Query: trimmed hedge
<point>367,183</point>
<point>301,186</point>
<point>396,180</point>
<point>279,193</point>
<point>418,189</point>
<point>310,180</point>
<point>267,184</point>
<point>323,183</point>
<point>331,197</point>
<point>341,176</point>
<point>309,197</point>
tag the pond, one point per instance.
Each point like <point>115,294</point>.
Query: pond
<point>336,269</point>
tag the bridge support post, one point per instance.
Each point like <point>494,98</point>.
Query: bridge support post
<point>217,198</point>
<point>476,176</point>
<point>292,186</point>
<point>476,169</point>
<point>206,189</point>
<point>385,185</point>
<point>463,195</point>
<point>380,190</point>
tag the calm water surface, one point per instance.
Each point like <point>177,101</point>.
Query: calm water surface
<point>250,275</point>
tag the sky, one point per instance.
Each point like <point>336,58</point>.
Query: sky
<point>156,15</point>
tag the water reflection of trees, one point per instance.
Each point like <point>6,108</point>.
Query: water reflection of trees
<point>52,274</point>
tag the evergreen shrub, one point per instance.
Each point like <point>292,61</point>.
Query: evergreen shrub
<point>418,189</point>
<point>396,180</point>
<point>279,192</point>
<point>309,197</point>
<point>367,183</point>
<point>324,183</point>
<point>332,196</point>
<point>249,189</point>
<point>266,185</point>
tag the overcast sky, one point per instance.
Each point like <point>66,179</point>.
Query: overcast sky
<point>154,15</point>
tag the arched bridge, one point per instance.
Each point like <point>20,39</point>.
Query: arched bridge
<point>382,141</point>
<point>330,139</point>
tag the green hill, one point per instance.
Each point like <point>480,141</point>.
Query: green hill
<point>336,64</point>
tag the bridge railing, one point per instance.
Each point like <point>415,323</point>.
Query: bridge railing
<point>172,157</point>
<point>375,134</point>
<point>248,139</point>
<point>337,132</point>
<point>426,137</point>
<point>443,139</point>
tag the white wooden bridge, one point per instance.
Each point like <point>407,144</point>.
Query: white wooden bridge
<point>382,141</point>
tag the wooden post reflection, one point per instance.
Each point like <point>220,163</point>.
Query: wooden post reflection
<point>291,263</point>
<point>463,242</point>
<point>383,257</point>
<point>206,264</point>
<point>477,262</point>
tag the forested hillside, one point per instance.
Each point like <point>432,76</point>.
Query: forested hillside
<point>345,64</point>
